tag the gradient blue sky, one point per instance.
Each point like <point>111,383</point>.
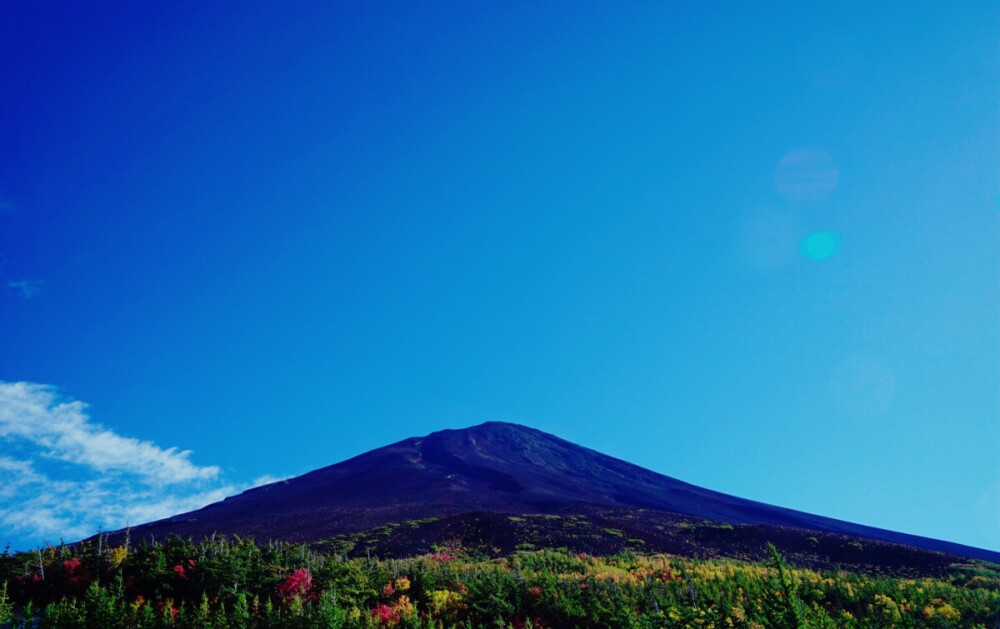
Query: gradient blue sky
<point>757,249</point>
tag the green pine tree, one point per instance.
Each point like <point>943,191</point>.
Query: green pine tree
<point>780,604</point>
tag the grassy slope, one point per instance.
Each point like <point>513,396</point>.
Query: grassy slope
<point>610,531</point>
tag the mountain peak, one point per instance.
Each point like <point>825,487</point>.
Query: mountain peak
<point>498,428</point>
<point>493,467</point>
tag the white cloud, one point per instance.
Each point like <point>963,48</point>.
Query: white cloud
<point>266,479</point>
<point>26,288</point>
<point>62,475</point>
<point>63,430</point>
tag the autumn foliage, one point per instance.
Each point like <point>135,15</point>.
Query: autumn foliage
<point>237,584</point>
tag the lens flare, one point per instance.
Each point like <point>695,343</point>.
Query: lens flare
<point>820,245</point>
<point>805,175</point>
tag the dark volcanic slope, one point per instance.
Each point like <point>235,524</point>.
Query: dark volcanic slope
<point>494,467</point>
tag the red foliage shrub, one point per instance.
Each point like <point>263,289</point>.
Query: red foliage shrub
<point>297,583</point>
<point>385,614</point>
<point>70,565</point>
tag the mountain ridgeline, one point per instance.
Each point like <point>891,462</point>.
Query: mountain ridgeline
<point>475,485</point>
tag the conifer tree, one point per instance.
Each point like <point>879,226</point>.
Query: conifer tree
<point>781,606</point>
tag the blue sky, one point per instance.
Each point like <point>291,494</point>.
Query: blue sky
<point>754,248</point>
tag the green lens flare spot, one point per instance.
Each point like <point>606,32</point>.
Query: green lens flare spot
<point>820,245</point>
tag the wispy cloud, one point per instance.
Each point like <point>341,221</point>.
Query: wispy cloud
<point>266,479</point>
<point>63,430</point>
<point>63,475</point>
<point>26,288</point>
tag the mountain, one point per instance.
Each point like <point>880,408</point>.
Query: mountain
<point>476,475</point>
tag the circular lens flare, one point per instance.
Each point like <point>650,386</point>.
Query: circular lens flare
<point>805,175</point>
<point>820,245</point>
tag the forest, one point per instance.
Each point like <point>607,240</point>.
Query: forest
<point>236,583</point>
